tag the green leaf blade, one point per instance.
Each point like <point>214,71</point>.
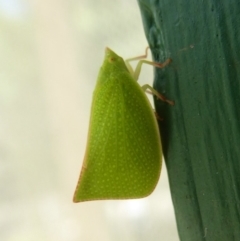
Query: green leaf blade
<point>201,133</point>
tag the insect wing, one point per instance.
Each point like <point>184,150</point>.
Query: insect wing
<point>123,156</point>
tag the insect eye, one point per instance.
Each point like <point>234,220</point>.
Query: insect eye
<point>112,59</point>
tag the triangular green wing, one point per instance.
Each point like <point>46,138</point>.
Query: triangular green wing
<point>123,156</point>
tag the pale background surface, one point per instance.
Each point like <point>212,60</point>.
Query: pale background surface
<point>50,54</point>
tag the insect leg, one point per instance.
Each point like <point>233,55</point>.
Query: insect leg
<point>147,88</point>
<point>157,116</point>
<point>137,71</point>
<point>135,58</point>
<point>158,65</point>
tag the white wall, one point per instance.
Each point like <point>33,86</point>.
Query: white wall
<point>50,54</point>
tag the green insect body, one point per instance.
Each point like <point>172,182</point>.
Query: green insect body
<point>123,157</point>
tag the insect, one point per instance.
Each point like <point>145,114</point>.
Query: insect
<point>123,155</point>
